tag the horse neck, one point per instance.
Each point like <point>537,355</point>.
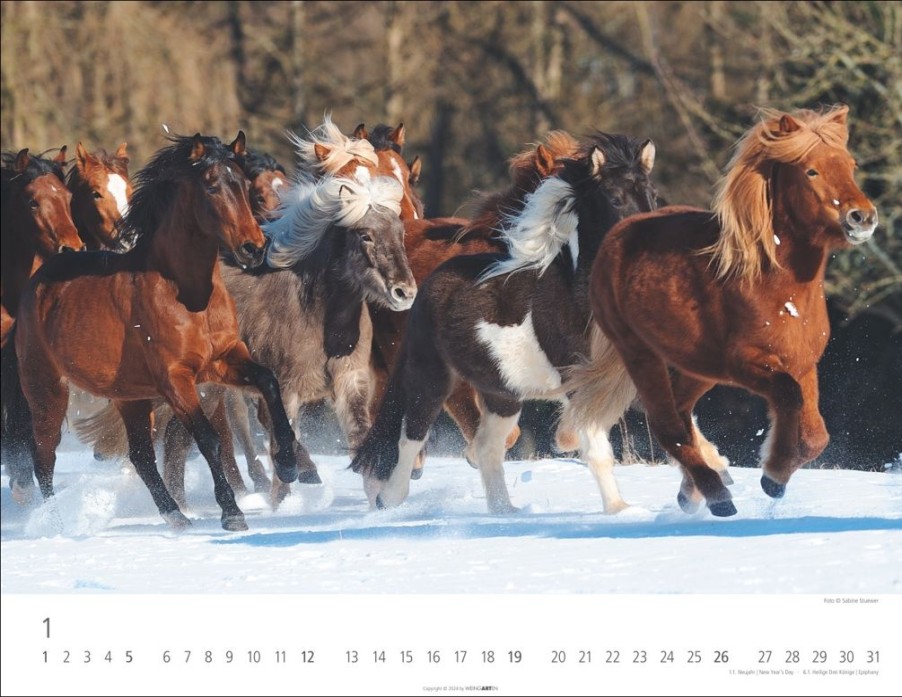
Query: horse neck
<point>184,253</point>
<point>802,255</point>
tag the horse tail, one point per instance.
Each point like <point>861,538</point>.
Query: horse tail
<point>18,447</point>
<point>600,391</point>
<point>105,432</point>
<point>377,456</point>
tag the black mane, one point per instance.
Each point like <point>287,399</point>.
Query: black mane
<point>255,163</point>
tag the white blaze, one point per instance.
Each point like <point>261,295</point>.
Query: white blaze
<point>117,187</point>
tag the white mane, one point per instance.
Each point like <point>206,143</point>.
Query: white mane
<point>314,207</point>
<point>342,149</point>
<point>536,235</point>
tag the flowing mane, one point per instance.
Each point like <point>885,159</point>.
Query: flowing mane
<point>317,206</point>
<point>157,181</point>
<point>526,175</point>
<point>742,202</point>
<point>341,149</point>
<point>37,166</point>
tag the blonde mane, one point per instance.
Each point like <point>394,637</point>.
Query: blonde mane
<point>316,206</point>
<point>342,149</point>
<point>742,202</point>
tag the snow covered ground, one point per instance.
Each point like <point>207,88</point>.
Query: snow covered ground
<point>834,532</point>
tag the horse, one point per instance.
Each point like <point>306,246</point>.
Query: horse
<point>268,179</point>
<point>101,190</point>
<point>510,325</point>
<point>160,320</point>
<point>430,242</point>
<point>348,232</point>
<point>37,223</point>
<point>693,298</point>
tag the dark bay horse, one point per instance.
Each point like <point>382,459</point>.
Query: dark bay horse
<point>37,223</point>
<point>160,320</point>
<point>268,181</point>
<point>510,325</point>
<point>101,190</point>
<point>692,298</point>
<point>430,242</point>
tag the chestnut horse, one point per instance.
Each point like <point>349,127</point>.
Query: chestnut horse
<point>510,325</point>
<point>692,298</point>
<point>37,223</point>
<point>101,190</point>
<point>159,321</point>
<point>432,241</point>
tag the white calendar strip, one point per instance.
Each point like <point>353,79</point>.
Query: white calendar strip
<point>427,644</point>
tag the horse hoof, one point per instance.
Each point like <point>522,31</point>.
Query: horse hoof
<point>22,495</point>
<point>379,503</point>
<point>773,489</point>
<point>503,509</point>
<point>176,520</point>
<point>234,523</point>
<point>722,509</point>
<point>309,477</point>
<point>687,504</point>
<point>99,456</point>
<point>287,474</point>
<point>726,478</point>
<point>416,473</point>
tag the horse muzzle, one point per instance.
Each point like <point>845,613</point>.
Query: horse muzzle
<point>250,255</point>
<point>401,296</point>
<point>858,224</point>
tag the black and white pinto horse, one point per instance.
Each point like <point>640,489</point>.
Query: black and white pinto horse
<point>514,327</point>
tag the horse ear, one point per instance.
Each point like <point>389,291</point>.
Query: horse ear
<point>239,145</point>
<point>81,156</point>
<point>22,160</point>
<point>789,124</point>
<point>61,155</point>
<point>544,160</point>
<point>597,161</point>
<point>321,152</point>
<point>647,156</point>
<point>197,148</point>
<point>840,114</point>
<point>415,167</point>
<point>122,151</point>
<point>397,135</point>
<point>360,132</point>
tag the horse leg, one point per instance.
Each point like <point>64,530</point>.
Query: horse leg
<point>427,382</point>
<point>239,420</point>
<point>227,444</point>
<point>176,446</point>
<point>463,407</point>
<point>136,417</point>
<point>351,401</point>
<point>798,434</point>
<point>48,401</point>
<point>290,459</point>
<point>498,418</point>
<point>181,393</point>
<point>674,430</point>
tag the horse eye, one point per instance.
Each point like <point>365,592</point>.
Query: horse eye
<point>811,173</point>
<point>33,204</point>
<point>213,189</point>
<point>616,201</point>
<point>364,237</point>
<point>97,194</point>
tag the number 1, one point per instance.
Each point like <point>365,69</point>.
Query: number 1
<point>46,622</point>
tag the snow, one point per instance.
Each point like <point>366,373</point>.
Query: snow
<point>836,531</point>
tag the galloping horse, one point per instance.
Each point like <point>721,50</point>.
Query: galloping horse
<point>160,320</point>
<point>510,326</point>
<point>101,191</point>
<point>692,298</point>
<point>432,241</point>
<point>37,223</point>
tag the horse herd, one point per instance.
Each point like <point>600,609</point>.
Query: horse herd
<point>570,285</point>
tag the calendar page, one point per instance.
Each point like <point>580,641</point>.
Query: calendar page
<point>324,596</point>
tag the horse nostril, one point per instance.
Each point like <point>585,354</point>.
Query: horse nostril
<point>251,249</point>
<point>856,216</point>
<point>402,292</point>
<point>65,250</point>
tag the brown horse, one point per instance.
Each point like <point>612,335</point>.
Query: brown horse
<point>268,181</point>
<point>160,320</point>
<point>101,190</point>
<point>37,223</point>
<point>692,298</point>
<point>432,241</point>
